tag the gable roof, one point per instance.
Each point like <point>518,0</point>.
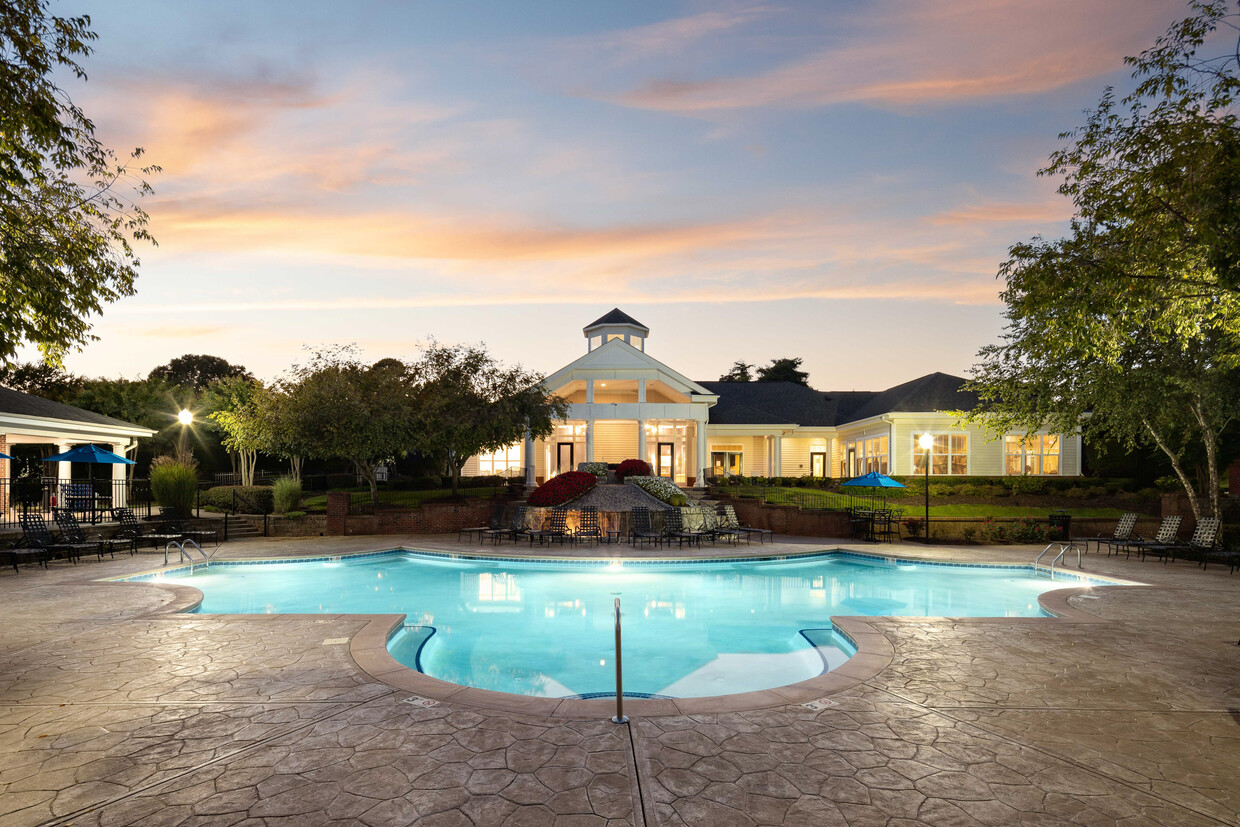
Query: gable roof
<point>618,355</point>
<point>24,404</point>
<point>614,317</point>
<point>932,392</point>
<point>770,403</point>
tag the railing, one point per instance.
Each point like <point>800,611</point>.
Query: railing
<point>89,500</point>
<point>389,497</point>
<point>867,499</point>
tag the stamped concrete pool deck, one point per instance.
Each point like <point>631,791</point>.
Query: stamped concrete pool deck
<point>117,710</point>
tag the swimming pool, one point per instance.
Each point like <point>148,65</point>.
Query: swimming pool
<point>545,628</point>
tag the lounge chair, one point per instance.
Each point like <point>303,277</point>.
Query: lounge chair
<point>133,530</point>
<point>174,524</point>
<point>674,528</point>
<point>35,534</point>
<point>722,531</point>
<point>641,530</point>
<point>730,520</point>
<point>497,522</point>
<point>516,527</point>
<point>71,531</point>
<point>1123,532</point>
<point>1204,539</point>
<point>1168,534</point>
<point>556,528</point>
<point>17,554</point>
<point>1226,556</point>
<point>588,527</point>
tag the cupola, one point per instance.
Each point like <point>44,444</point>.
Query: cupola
<point>616,325</point>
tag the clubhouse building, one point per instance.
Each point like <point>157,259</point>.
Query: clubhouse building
<point>625,404</point>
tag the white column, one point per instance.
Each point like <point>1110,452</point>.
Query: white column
<point>527,454</point>
<point>589,440</point>
<point>120,473</point>
<point>779,455</point>
<point>64,470</point>
<point>702,460</point>
<point>641,432</point>
<point>641,391</point>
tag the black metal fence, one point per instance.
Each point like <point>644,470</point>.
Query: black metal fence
<point>362,502</point>
<point>868,499</point>
<point>89,500</point>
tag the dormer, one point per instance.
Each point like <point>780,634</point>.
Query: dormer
<point>616,325</point>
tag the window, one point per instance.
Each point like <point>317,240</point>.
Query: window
<point>595,341</point>
<point>611,336</point>
<point>1036,455</point>
<point>726,459</point>
<point>866,455</point>
<point>949,455</point>
<point>501,462</point>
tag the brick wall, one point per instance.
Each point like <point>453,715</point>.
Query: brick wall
<point>311,525</point>
<point>4,473</point>
<point>788,519</point>
<point>431,518</point>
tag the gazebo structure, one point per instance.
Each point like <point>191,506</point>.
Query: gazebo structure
<point>27,419</point>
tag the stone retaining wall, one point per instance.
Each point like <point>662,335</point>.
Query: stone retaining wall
<point>431,518</point>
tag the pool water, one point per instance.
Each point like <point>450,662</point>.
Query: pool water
<point>547,628</point>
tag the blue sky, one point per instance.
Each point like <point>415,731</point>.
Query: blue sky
<point>837,181</point>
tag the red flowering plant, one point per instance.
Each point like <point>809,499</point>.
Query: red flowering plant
<point>561,489</point>
<point>632,468</point>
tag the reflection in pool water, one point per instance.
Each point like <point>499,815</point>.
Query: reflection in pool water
<point>693,629</point>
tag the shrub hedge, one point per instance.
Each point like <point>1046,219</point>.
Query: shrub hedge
<point>175,485</point>
<point>631,468</point>
<point>659,487</point>
<point>255,497</point>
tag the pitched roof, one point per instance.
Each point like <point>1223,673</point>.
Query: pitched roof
<point>23,404</point>
<point>762,403</point>
<point>770,403</point>
<point>616,316</point>
<point>932,392</point>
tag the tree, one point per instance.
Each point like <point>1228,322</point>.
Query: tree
<point>343,408</point>
<point>1127,327</point>
<point>784,370</point>
<point>471,404</point>
<point>41,379</point>
<point>740,372</point>
<point>197,371</point>
<point>68,214</point>
<point>236,407</point>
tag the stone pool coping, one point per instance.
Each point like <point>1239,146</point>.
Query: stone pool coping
<point>368,647</point>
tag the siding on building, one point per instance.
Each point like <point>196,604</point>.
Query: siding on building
<point>614,440</point>
<point>795,452</point>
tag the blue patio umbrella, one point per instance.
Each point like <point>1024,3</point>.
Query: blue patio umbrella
<point>4,455</point>
<point>91,454</point>
<point>873,480</point>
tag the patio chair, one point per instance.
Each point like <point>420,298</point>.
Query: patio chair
<point>35,534</point>
<point>1204,539</point>
<point>173,523</point>
<point>515,529</point>
<point>1168,534</point>
<point>722,531</point>
<point>674,528</point>
<point>1227,556</point>
<point>1123,532</point>
<point>556,528</point>
<point>133,530</point>
<point>497,522</point>
<point>71,531</point>
<point>886,526</point>
<point>730,520</point>
<point>16,554</point>
<point>588,527</point>
<point>642,531</point>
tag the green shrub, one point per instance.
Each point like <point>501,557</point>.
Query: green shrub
<point>293,515</point>
<point>285,494</point>
<point>1029,530</point>
<point>487,481</point>
<point>970,490</point>
<point>1027,485</point>
<point>598,469</point>
<point>1149,493</point>
<point>1168,483</point>
<point>251,499</point>
<point>942,489</point>
<point>1076,493</point>
<point>1097,490</point>
<point>174,485</point>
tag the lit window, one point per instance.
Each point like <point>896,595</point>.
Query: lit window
<point>503,462</point>
<point>611,336</point>
<point>949,455</point>
<point>865,455</point>
<point>1036,455</point>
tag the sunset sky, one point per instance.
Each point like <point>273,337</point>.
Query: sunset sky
<point>832,180</point>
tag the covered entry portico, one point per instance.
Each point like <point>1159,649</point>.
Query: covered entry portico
<point>623,405</point>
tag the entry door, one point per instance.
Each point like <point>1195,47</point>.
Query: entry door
<point>664,455</point>
<point>852,462</point>
<point>818,464</point>
<point>564,457</point>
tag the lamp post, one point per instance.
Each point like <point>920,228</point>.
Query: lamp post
<point>925,441</point>
<point>186,418</point>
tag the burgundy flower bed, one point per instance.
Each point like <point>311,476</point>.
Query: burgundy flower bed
<point>632,468</point>
<point>561,489</point>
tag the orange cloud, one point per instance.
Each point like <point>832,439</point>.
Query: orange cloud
<point>901,55</point>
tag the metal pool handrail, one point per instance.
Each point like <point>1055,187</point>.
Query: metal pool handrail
<point>620,717</point>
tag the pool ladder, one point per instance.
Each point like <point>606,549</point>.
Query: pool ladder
<point>186,555</point>
<point>1063,548</point>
